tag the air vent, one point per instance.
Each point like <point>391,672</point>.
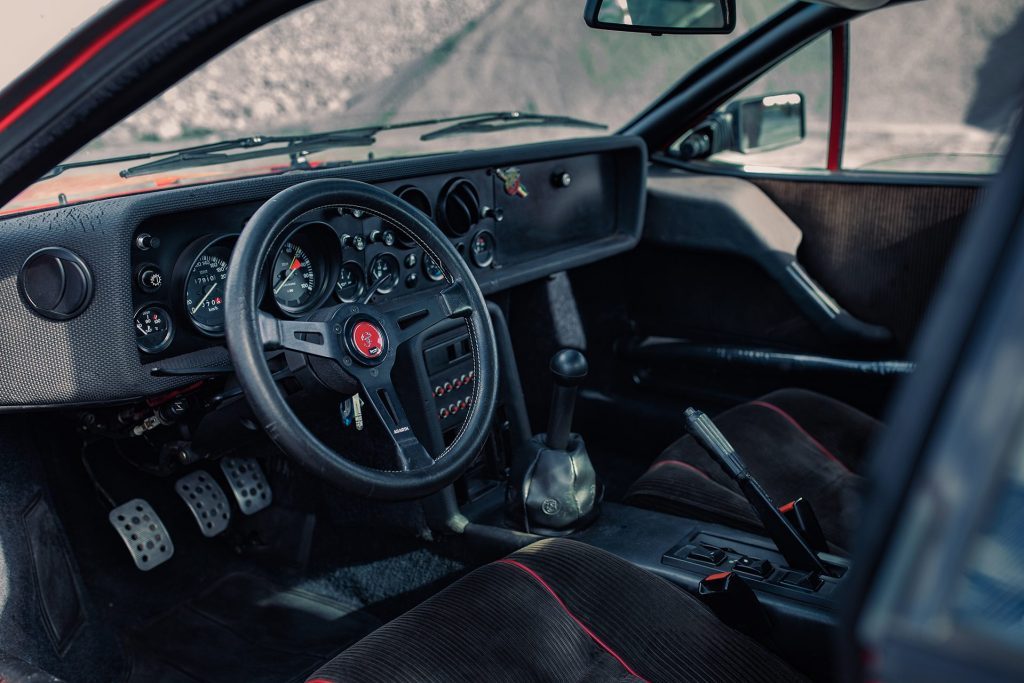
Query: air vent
<point>419,199</point>
<point>56,283</point>
<point>458,207</point>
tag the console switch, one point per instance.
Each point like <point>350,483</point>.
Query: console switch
<point>753,567</point>
<point>705,553</point>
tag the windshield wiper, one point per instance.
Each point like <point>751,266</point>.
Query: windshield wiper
<point>504,120</point>
<point>299,146</point>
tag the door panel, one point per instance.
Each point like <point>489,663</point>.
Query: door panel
<point>879,249</point>
<point>714,316</point>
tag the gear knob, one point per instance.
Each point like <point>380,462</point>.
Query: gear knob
<point>569,368</point>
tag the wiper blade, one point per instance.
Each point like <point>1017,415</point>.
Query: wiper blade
<point>296,147</point>
<point>504,120</point>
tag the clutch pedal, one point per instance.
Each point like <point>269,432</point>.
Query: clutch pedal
<point>143,532</point>
<point>206,499</point>
<point>248,483</point>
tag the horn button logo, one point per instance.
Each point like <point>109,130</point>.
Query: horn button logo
<point>367,341</point>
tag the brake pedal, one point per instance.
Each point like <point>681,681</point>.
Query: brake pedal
<point>143,532</point>
<point>206,499</point>
<point>248,483</point>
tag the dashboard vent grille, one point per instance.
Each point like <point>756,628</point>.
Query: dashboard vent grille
<point>458,207</point>
<point>419,200</point>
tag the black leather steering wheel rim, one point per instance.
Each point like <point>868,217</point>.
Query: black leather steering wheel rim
<point>250,332</point>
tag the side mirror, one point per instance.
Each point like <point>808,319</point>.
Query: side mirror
<point>662,16</point>
<point>757,124</point>
<point>770,122</point>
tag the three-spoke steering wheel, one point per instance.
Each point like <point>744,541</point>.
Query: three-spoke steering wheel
<point>361,338</point>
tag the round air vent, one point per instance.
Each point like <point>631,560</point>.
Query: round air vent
<point>56,283</point>
<point>419,199</point>
<point>458,207</point>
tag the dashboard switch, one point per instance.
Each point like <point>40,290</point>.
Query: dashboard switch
<point>150,278</point>
<point>144,241</point>
<point>561,179</point>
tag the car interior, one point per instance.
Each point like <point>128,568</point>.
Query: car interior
<point>582,409</point>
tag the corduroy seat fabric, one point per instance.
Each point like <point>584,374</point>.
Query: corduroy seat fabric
<point>797,443</point>
<point>558,610</point>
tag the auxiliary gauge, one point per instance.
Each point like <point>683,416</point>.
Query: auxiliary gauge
<point>153,329</point>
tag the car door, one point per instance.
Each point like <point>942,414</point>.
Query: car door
<point>810,265</point>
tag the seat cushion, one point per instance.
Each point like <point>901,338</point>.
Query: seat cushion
<point>558,610</point>
<point>797,443</point>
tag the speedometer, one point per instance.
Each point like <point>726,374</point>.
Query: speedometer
<point>296,281</point>
<point>204,288</point>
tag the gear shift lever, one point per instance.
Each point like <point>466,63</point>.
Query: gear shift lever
<point>552,483</point>
<point>569,368</point>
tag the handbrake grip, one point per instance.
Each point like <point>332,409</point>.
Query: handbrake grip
<point>790,543</point>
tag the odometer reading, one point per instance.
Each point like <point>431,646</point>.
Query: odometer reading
<point>204,290</point>
<point>295,279</point>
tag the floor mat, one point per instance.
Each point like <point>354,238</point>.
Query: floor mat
<point>245,628</point>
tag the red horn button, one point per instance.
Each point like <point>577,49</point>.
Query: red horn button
<point>368,339</point>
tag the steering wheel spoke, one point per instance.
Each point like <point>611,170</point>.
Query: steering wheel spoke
<point>306,336</point>
<point>381,396</point>
<point>416,317</point>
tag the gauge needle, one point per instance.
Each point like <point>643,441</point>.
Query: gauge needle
<point>296,264</point>
<point>204,297</point>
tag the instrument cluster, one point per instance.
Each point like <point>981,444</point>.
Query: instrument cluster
<point>332,255</point>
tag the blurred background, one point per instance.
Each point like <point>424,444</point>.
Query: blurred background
<point>935,75</point>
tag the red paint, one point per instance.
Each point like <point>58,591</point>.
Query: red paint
<point>837,124</point>
<point>78,62</point>
<point>717,577</point>
<point>680,463</point>
<point>368,339</point>
<point>593,636</point>
<point>791,420</point>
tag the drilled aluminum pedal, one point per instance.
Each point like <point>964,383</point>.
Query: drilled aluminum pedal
<point>206,499</point>
<point>248,483</point>
<point>143,532</point>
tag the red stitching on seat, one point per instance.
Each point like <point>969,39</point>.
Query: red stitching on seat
<point>680,463</point>
<point>789,418</point>
<point>552,593</point>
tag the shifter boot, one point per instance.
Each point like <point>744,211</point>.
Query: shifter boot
<point>553,492</point>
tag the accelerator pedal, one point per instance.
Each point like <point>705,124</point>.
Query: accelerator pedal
<point>143,532</point>
<point>248,483</point>
<point>207,501</point>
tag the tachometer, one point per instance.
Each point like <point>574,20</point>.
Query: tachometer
<point>204,288</point>
<point>296,281</point>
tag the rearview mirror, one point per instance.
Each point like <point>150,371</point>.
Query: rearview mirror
<point>770,122</point>
<point>662,16</point>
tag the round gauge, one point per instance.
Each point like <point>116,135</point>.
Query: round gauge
<point>204,288</point>
<point>431,269</point>
<point>383,268</point>
<point>349,286</point>
<point>153,329</point>
<point>296,280</point>
<point>481,250</point>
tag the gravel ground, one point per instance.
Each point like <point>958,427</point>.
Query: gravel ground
<point>342,63</point>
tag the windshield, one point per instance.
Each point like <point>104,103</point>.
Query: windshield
<point>339,64</point>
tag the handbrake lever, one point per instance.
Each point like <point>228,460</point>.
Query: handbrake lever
<point>790,543</point>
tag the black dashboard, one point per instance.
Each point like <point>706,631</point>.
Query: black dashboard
<point>156,262</point>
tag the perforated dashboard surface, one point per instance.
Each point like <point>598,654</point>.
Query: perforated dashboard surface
<point>93,358</point>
